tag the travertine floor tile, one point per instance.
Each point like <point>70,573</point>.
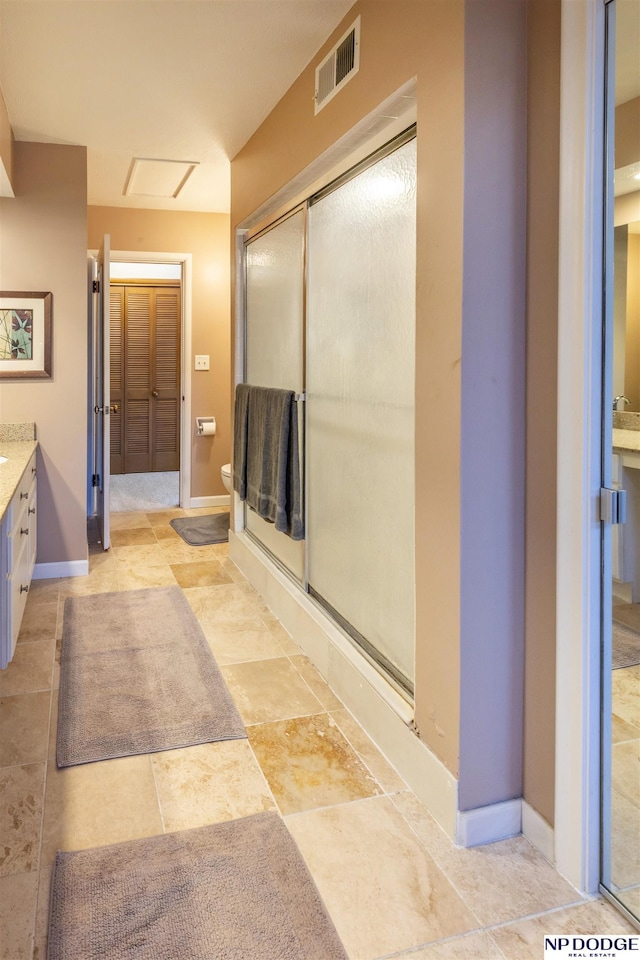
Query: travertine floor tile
<point>103,581</point>
<point>20,817</point>
<point>42,914</point>
<point>176,550</point>
<point>278,632</point>
<point>228,601</point>
<point>39,622</point>
<point>473,946</point>
<point>266,690</point>
<point>30,670</point>
<point>161,518</point>
<point>382,889</point>
<point>625,701</point>
<point>625,841</point>
<point>133,538</point>
<point>128,520</point>
<point>309,764</point>
<point>132,556</point>
<point>43,591</point>
<point>490,878</point>
<point>387,777</point>
<point>144,576</point>
<point>316,682</point>
<point>236,641</point>
<point>209,783</point>
<point>17,909</point>
<point>524,940</point>
<point>24,728</point>
<point>625,771</point>
<point>621,731</point>
<point>201,573</point>
<point>99,803</point>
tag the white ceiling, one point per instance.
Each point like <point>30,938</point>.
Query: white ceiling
<point>186,80</point>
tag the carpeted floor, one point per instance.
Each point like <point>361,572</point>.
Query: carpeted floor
<point>625,647</point>
<point>120,691</point>
<point>144,491</point>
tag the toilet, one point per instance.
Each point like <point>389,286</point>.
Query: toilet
<point>225,473</point>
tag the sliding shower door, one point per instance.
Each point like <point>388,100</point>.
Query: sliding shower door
<point>360,407</point>
<point>274,345</point>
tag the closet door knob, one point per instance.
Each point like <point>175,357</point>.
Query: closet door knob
<point>154,393</point>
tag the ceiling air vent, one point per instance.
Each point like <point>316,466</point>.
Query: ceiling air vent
<point>338,67</point>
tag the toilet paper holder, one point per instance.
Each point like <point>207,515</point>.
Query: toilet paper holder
<point>205,426</point>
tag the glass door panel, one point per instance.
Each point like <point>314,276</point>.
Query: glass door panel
<point>274,345</point>
<point>360,407</point>
<point>621,589</point>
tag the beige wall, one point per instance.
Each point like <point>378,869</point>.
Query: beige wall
<point>6,141</point>
<point>632,313</point>
<point>400,40</point>
<point>206,237</point>
<point>430,41</point>
<point>627,148</point>
<point>542,352</point>
<point>44,247</point>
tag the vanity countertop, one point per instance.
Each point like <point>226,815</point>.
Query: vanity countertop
<point>19,453</point>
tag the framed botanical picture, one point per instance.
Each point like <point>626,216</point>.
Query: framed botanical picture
<point>25,334</point>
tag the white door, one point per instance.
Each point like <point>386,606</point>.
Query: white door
<point>102,433</point>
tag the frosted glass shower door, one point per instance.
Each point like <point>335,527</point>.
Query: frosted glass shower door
<point>274,344</point>
<point>360,407</point>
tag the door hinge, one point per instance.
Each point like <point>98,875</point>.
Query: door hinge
<point>95,480</point>
<point>613,505</point>
<point>96,286</point>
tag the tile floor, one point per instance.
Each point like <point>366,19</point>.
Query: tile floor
<point>393,883</point>
<point>625,770</point>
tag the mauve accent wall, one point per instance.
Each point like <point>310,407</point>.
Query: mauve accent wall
<point>493,404</point>
<point>43,246</point>
<point>206,237</point>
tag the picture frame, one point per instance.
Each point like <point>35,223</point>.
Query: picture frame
<point>25,334</point>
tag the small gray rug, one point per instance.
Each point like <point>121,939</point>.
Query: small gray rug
<point>625,647</point>
<point>238,890</point>
<point>137,676</point>
<point>199,531</point>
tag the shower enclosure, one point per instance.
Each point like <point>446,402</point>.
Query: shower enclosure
<point>330,314</point>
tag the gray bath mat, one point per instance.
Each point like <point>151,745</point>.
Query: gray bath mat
<point>625,647</point>
<point>199,531</point>
<point>137,676</point>
<point>234,890</point>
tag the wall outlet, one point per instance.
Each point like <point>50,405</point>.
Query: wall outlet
<point>202,361</point>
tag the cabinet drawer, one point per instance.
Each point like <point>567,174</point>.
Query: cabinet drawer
<point>23,490</point>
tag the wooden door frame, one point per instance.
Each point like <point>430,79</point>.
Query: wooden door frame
<point>186,264</point>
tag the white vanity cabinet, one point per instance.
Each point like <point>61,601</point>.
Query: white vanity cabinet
<point>18,556</point>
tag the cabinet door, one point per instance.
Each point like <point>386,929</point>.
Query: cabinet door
<point>19,581</point>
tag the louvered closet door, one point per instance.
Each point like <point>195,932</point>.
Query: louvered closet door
<point>152,379</point>
<point>116,378</point>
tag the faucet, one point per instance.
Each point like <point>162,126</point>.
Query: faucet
<point>615,402</point>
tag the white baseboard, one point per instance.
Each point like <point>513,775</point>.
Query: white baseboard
<point>497,821</point>
<point>540,833</point>
<point>221,501</point>
<point>64,568</point>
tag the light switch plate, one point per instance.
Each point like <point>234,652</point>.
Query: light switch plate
<point>202,361</point>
